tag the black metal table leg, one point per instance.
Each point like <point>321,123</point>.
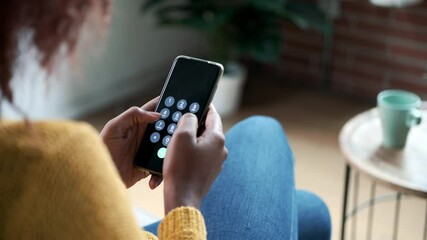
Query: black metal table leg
<point>345,198</point>
<point>396,216</point>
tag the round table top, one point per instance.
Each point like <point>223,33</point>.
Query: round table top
<point>403,170</point>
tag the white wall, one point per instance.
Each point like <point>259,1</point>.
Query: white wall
<point>133,56</point>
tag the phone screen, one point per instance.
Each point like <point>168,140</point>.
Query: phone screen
<point>189,88</point>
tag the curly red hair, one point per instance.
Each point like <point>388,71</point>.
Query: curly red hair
<point>53,22</point>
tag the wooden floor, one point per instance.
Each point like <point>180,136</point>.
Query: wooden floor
<point>312,121</point>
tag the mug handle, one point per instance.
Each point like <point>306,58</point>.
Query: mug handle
<point>414,118</point>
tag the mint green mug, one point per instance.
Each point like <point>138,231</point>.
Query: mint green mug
<point>398,113</point>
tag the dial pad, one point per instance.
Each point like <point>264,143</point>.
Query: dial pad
<point>171,113</point>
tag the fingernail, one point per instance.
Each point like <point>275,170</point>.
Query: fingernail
<point>158,182</point>
<point>189,115</point>
<point>156,114</point>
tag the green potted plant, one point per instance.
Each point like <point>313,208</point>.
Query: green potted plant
<point>250,29</point>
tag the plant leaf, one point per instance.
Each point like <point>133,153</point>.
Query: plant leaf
<point>245,27</point>
<point>306,16</point>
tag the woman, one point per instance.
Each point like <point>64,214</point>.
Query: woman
<point>59,180</point>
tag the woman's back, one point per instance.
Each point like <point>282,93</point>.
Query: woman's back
<point>58,181</point>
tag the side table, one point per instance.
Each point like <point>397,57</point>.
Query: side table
<point>404,171</point>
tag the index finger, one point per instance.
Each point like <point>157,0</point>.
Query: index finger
<point>213,120</point>
<point>151,105</point>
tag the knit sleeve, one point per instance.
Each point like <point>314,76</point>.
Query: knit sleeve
<point>58,181</point>
<point>183,223</point>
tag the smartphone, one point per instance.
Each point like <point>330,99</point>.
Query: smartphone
<point>189,87</point>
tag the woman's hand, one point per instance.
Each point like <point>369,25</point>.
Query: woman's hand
<point>123,134</point>
<point>192,163</point>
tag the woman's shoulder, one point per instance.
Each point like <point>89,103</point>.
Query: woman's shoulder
<point>50,139</point>
<point>64,152</point>
<point>45,131</point>
<point>45,128</point>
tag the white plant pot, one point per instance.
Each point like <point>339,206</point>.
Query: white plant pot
<point>230,88</point>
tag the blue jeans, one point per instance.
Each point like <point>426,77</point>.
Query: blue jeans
<point>254,197</point>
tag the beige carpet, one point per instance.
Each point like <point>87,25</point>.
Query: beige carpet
<point>312,121</point>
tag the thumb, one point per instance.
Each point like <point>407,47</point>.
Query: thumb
<point>135,115</point>
<point>143,116</point>
<point>140,115</point>
<point>188,124</point>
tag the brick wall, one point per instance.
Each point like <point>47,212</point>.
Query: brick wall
<point>374,48</point>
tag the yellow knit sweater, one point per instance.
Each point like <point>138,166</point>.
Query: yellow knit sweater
<point>57,181</point>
